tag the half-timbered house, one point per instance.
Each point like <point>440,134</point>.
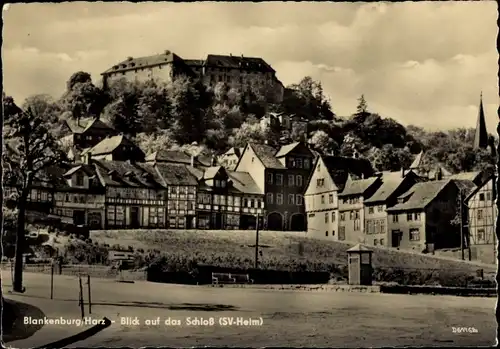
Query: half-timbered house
<point>134,197</point>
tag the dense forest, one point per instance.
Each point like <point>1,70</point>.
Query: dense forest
<point>166,115</point>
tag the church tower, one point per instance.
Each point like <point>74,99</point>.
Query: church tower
<point>481,136</point>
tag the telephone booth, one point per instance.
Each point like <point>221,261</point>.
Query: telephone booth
<point>360,265</point>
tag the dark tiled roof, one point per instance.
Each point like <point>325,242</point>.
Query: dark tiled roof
<point>108,145</point>
<point>126,173</point>
<point>341,167</point>
<point>420,195</point>
<point>176,174</point>
<point>266,155</point>
<point>358,187</point>
<point>390,183</point>
<point>239,62</point>
<point>194,62</point>
<point>286,149</point>
<point>143,62</point>
<point>243,182</point>
<point>467,186</point>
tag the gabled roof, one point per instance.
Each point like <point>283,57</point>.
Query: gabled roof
<point>481,135</point>
<point>86,168</point>
<point>178,157</point>
<point>110,144</point>
<point>390,183</point>
<point>239,62</point>
<point>243,182</point>
<point>176,174</point>
<point>143,62</point>
<point>79,125</point>
<point>286,149</point>
<point>234,151</point>
<point>358,187</point>
<point>211,172</point>
<point>420,195</point>
<point>117,173</point>
<point>340,168</point>
<point>417,162</point>
<point>266,155</point>
<point>194,62</point>
<point>465,185</point>
<point>469,176</point>
<point>485,179</point>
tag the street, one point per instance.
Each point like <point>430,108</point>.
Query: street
<point>200,315</point>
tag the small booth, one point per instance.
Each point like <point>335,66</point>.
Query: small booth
<point>360,265</point>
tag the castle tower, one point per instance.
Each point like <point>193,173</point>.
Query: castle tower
<point>481,136</point>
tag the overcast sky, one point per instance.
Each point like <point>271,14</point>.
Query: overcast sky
<point>420,63</point>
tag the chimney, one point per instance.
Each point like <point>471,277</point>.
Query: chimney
<point>129,58</point>
<point>192,160</point>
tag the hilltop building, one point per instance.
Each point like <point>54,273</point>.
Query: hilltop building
<point>236,71</point>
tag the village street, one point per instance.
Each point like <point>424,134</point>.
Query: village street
<point>289,318</point>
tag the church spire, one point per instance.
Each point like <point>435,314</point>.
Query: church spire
<point>481,136</point>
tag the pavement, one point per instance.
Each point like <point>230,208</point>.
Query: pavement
<point>165,315</point>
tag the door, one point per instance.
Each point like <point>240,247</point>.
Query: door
<point>79,217</point>
<point>396,238</point>
<point>134,217</point>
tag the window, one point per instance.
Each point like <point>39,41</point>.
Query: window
<point>409,216</point>
<point>341,233</point>
<point>79,180</point>
<point>351,215</point>
<point>479,214</point>
<point>326,217</point>
<point>299,181</point>
<point>269,178</point>
<point>375,242</point>
<point>270,198</point>
<point>395,218</point>
<point>488,196</point>
<point>320,182</point>
<point>279,179</point>
<point>330,198</point>
<point>291,199</point>
<point>279,199</point>
<point>381,242</point>
<point>333,232</point>
<point>333,216</point>
<point>480,235</point>
<point>414,235</point>
<point>322,199</point>
<point>326,233</point>
<point>307,164</point>
<point>342,217</point>
<point>298,163</point>
<point>252,203</point>
<point>291,180</point>
<point>311,215</point>
<point>223,184</point>
<point>380,208</point>
<point>370,210</point>
<point>417,216</point>
<point>481,197</point>
<point>299,200</point>
<point>357,225</point>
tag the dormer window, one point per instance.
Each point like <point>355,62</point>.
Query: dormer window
<point>79,180</point>
<point>223,184</point>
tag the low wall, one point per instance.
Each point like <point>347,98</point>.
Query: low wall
<point>479,253</point>
<point>451,291</point>
<point>97,271</point>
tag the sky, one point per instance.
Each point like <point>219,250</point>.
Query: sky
<point>421,63</point>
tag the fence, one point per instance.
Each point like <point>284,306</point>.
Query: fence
<point>97,271</point>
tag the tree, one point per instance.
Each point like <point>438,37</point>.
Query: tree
<point>190,105</point>
<point>29,149</point>
<point>82,98</point>
<point>157,141</point>
<point>122,112</point>
<point>323,143</point>
<point>153,106</point>
<point>307,100</point>
<point>362,107</point>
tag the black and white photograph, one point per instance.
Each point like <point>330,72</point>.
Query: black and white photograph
<point>249,174</point>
